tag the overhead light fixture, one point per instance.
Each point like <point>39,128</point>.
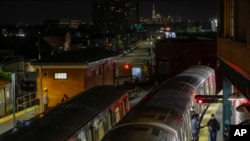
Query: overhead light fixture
<point>235,96</point>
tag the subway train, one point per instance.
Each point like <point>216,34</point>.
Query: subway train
<point>84,117</point>
<point>164,113</point>
<point>6,99</point>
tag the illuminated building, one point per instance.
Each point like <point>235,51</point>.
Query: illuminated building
<point>113,15</point>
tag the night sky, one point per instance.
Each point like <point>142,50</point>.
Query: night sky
<point>36,11</point>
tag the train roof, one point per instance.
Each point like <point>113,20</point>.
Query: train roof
<point>161,113</point>
<point>199,72</point>
<point>170,103</point>
<point>69,117</point>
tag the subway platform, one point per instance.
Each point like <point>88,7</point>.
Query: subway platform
<point>7,123</point>
<point>216,109</point>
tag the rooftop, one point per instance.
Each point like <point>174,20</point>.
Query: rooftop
<point>79,56</point>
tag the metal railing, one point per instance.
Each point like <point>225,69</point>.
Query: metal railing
<point>26,101</point>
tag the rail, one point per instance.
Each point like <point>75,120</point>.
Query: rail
<point>26,101</point>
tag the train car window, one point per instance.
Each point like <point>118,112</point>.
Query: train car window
<point>211,84</point>
<point>201,89</point>
<point>100,130</point>
<point>80,136</point>
<point>206,87</point>
<point>89,134</point>
<point>166,136</point>
<point>105,123</point>
<point>117,114</point>
<point>109,120</point>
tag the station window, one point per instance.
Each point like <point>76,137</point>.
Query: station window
<point>60,76</point>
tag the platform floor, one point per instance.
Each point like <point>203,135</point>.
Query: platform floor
<point>216,109</point>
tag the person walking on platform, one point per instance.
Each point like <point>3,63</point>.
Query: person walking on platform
<point>213,126</point>
<point>195,124</point>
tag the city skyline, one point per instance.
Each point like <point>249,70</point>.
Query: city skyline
<point>35,12</point>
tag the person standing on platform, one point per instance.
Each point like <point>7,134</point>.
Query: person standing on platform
<point>192,112</point>
<point>45,99</point>
<point>195,124</point>
<point>65,97</point>
<point>213,126</point>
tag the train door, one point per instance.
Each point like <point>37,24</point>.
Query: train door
<point>9,100</point>
<point>101,131</point>
<point>2,102</point>
<point>109,120</point>
<point>126,104</point>
<point>117,114</point>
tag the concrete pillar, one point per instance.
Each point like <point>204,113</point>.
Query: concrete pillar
<point>227,105</point>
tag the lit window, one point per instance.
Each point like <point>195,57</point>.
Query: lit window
<point>60,75</point>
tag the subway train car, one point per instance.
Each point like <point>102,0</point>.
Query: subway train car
<point>164,114</point>
<point>85,117</point>
<point>6,99</point>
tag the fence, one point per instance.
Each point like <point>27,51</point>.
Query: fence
<point>26,101</point>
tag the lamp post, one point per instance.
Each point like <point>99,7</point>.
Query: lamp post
<point>13,79</point>
<point>41,91</point>
<point>40,72</point>
<point>151,56</point>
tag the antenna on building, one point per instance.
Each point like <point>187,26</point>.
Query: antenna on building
<point>153,11</point>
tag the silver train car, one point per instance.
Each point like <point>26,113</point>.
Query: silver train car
<point>164,114</point>
<point>85,117</point>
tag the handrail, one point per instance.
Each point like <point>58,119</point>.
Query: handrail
<point>26,101</point>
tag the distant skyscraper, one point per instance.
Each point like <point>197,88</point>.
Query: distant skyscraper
<point>115,15</point>
<point>153,12</point>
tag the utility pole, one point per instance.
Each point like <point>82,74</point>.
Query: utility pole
<point>13,79</point>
